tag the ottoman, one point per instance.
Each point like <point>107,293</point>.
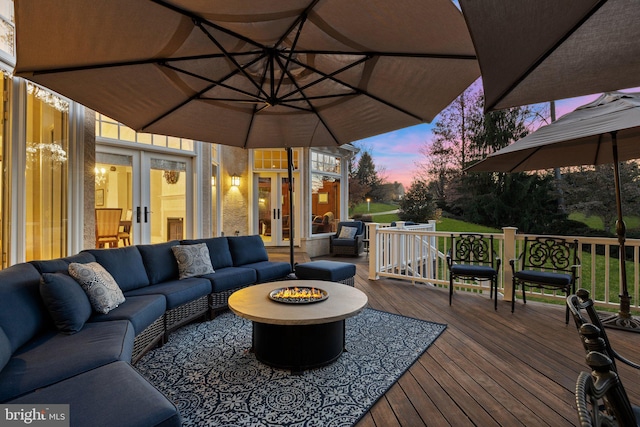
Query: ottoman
<point>332,271</point>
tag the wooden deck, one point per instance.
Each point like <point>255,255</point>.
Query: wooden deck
<point>488,368</point>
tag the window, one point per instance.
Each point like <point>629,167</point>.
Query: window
<point>325,192</point>
<point>47,146</point>
<point>111,129</point>
<point>273,159</point>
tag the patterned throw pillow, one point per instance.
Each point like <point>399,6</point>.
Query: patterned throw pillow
<point>102,290</point>
<point>193,260</point>
<point>347,232</point>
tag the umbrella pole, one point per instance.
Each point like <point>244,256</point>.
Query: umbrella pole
<point>622,320</point>
<point>291,218</point>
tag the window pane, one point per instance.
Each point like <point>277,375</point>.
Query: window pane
<point>46,175</point>
<point>325,203</point>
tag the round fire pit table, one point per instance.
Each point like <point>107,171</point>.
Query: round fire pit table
<point>298,336</point>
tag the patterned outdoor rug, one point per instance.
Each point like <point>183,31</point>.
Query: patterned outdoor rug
<point>209,372</point>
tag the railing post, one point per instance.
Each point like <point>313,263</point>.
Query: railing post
<point>373,250</point>
<point>509,254</point>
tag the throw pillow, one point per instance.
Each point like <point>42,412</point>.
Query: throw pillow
<point>102,290</point>
<point>193,260</point>
<point>347,232</point>
<point>66,301</point>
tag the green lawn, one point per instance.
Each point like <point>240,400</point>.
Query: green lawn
<point>632,222</point>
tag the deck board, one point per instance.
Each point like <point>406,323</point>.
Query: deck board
<point>488,368</point>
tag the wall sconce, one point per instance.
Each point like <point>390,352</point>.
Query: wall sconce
<point>213,181</point>
<point>235,180</point>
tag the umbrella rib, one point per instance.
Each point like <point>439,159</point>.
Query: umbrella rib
<point>231,58</point>
<point>301,17</point>
<point>313,109</point>
<point>293,46</point>
<point>200,20</point>
<point>157,61</point>
<point>360,91</point>
<point>219,82</point>
<point>392,54</point>
<point>198,94</point>
<point>324,77</point>
<point>546,54</point>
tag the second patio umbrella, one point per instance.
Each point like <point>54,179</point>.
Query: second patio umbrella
<point>532,51</point>
<point>604,131</point>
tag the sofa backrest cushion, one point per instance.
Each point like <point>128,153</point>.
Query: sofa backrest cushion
<point>66,301</point>
<point>5,349</point>
<point>22,312</point>
<point>62,264</point>
<point>159,261</point>
<point>124,264</point>
<point>247,250</point>
<point>218,251</point>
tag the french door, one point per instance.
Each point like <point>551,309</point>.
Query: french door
<point>272,201</point>
<point>152,189</point>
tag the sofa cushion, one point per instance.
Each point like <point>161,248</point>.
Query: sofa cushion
<point>114,394</point>
<point>159,261</point>
<point>176,292</point>
<point>62,264</point>
<point>269,270</point>
<point>124,264</point>
<point>66,301</point>
<point>103,291</point>
<point>141,311</point>
<point>5,349</point>
<point>218,250</point>
<point>247,250</point>
<point>54,356</point>
<point>23,313</point>
<point>225,279</point>
<point>193,260</point>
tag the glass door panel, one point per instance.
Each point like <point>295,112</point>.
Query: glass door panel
<point>167,200</point>
<point>274,219</point>
<point>265,212</point>
<point>151,189</point>
<point>114,189</point>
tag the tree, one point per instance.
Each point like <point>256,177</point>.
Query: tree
<point>417,204</point>
<point>591,191</point>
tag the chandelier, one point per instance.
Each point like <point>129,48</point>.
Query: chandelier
<point>48,98</point>
<point>101,176</point>
<point>171,176</point>
<point>47,151</point>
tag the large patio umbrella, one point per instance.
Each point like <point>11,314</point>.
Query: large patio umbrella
<point>604,131</point>
<point>291,73</point>
<point>541,50</point>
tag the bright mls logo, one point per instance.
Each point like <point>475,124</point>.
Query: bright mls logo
<point>34,415</point>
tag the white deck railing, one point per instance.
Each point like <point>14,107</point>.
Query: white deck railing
<point>416,253</point>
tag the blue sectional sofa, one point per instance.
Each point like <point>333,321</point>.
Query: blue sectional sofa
<point>56,349</point>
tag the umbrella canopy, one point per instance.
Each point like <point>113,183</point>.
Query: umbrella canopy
<point>606,130</point>
<point>581,137</point>
<point>292,73</point>
<point>540,50</point>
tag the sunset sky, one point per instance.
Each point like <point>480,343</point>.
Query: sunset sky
<point>397,152</point>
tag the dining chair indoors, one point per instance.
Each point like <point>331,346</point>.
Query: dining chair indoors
<point>107,227</point>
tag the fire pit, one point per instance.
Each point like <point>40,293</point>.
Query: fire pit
<point>298,295</point>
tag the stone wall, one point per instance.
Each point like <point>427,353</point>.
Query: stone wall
<point>235,200</point>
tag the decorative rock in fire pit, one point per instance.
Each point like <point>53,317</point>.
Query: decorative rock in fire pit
<point>298,295</point>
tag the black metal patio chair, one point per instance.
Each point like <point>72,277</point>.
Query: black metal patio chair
<point>546,263</point>
<point>601,400</point>
<point>581,301</point>
<point>472,257</point>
